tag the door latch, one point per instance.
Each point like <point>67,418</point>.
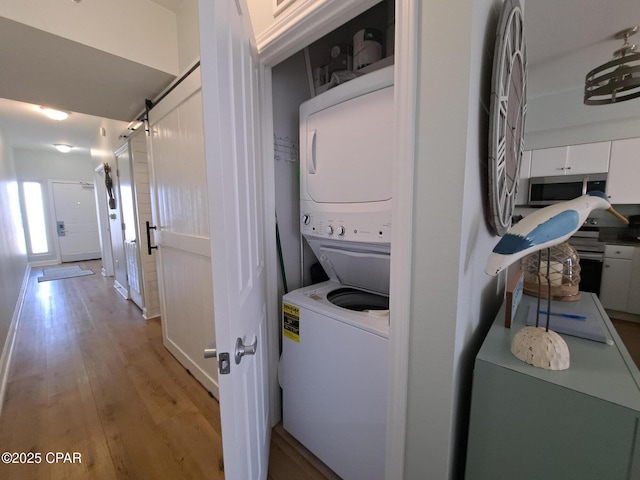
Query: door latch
<point>224,363</point>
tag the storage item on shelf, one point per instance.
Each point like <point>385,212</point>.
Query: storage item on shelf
<point>367,47</point>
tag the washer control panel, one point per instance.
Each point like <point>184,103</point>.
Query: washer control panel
<point>362,227</point>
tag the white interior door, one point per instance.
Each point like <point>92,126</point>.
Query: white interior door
<point>129,231</point>
<point>76,221</point>
<point>181,218</point>
<point>116,227</point>
<point>230,74</point>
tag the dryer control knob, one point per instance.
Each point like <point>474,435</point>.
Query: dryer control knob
<point>340,230</point>
<point>329,230</point>
<point>306,219</point>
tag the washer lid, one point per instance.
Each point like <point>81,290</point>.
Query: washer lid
<point>353,264</point>
<point>359,301</point>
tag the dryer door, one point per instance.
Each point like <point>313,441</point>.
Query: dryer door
<point>347,153</point>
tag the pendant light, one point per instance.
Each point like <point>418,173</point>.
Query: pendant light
<point>617,80</point>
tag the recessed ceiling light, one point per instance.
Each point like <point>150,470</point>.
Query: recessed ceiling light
<point>54,114</point>
<point>63,148</point>
<point>76,1</point>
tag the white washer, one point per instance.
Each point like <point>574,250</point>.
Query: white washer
<point>334,376</point>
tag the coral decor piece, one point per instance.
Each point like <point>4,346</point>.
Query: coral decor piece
<point>540,348</point>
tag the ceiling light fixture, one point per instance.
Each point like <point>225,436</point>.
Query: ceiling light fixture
<point>54,114</point>
<point>62,147</point>
<point>617,80</point>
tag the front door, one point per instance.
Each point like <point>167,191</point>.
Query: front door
<point>181,218</point>
<point>76,221</point>
<point>230,73</point>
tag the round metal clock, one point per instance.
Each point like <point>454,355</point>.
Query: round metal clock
<point>507,115</point>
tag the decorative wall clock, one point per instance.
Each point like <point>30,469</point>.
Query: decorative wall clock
<point>507,115</point>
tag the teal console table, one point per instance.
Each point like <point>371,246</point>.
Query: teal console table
<point>528,423</point>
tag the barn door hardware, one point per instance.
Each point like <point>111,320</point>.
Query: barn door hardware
<point>149,247</point>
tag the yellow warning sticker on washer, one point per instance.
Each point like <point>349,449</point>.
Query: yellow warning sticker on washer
<point>291,321</point>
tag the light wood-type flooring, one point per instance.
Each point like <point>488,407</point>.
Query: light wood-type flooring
<point>90,375</point>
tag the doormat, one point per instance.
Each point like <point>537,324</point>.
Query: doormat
<point>57,273</point>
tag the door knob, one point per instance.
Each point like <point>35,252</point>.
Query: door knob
<point>210,353</point>
<point>242,349</point>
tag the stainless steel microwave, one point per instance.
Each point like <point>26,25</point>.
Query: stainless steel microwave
<point>549,190</point>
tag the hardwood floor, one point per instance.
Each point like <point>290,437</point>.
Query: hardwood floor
<point>630,334</point>
<point>90,375</point>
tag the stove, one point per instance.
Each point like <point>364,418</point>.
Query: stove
<point>590,250</point>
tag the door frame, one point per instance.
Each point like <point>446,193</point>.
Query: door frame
<point>103,222</point>
<point>313,19</point>
<point>53,212</point>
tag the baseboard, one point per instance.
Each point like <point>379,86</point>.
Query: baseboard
<point>629,317</point>
<point>121,289</point>
<point>148,316</point>
<point>7,351</point>
<point>44,263</point>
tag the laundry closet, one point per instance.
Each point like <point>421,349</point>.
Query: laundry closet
<point>292,84</point>
<point>333,106</point>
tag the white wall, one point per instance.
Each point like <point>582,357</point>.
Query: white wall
<point>561,118</point>
<point>188,34</point>
<point>290,89</point>
<point>138,30</point>
<point>556,113</point>
<point>44,166</point>
<point>261,13</point>
<point>13,253</point>
<point>453,301</point>
<point>141,182</point>
<point>53,165</point>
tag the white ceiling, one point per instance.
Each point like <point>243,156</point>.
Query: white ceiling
<point>27,127</point>
<point>568,38</point>
<point>173,5</point>
<point>565,39</point>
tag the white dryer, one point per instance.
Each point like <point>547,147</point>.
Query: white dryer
<point>335,334</point>
<point>346,161</point>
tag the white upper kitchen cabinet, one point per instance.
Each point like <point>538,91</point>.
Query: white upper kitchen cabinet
<point>571,160</point>
<point>624,172</point>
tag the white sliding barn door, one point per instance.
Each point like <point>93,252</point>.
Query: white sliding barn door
<point>230,74</point>
<point>181,217</point>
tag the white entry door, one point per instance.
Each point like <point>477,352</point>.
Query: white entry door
<point>181,218</point>
<point>230,75</point>
<point>76,221</point>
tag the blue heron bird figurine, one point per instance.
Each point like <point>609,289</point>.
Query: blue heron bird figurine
<point>544,228</point>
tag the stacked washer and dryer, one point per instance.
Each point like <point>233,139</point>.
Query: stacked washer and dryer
<point>335,333</point>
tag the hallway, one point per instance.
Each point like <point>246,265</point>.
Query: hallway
<point>90,375</point>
